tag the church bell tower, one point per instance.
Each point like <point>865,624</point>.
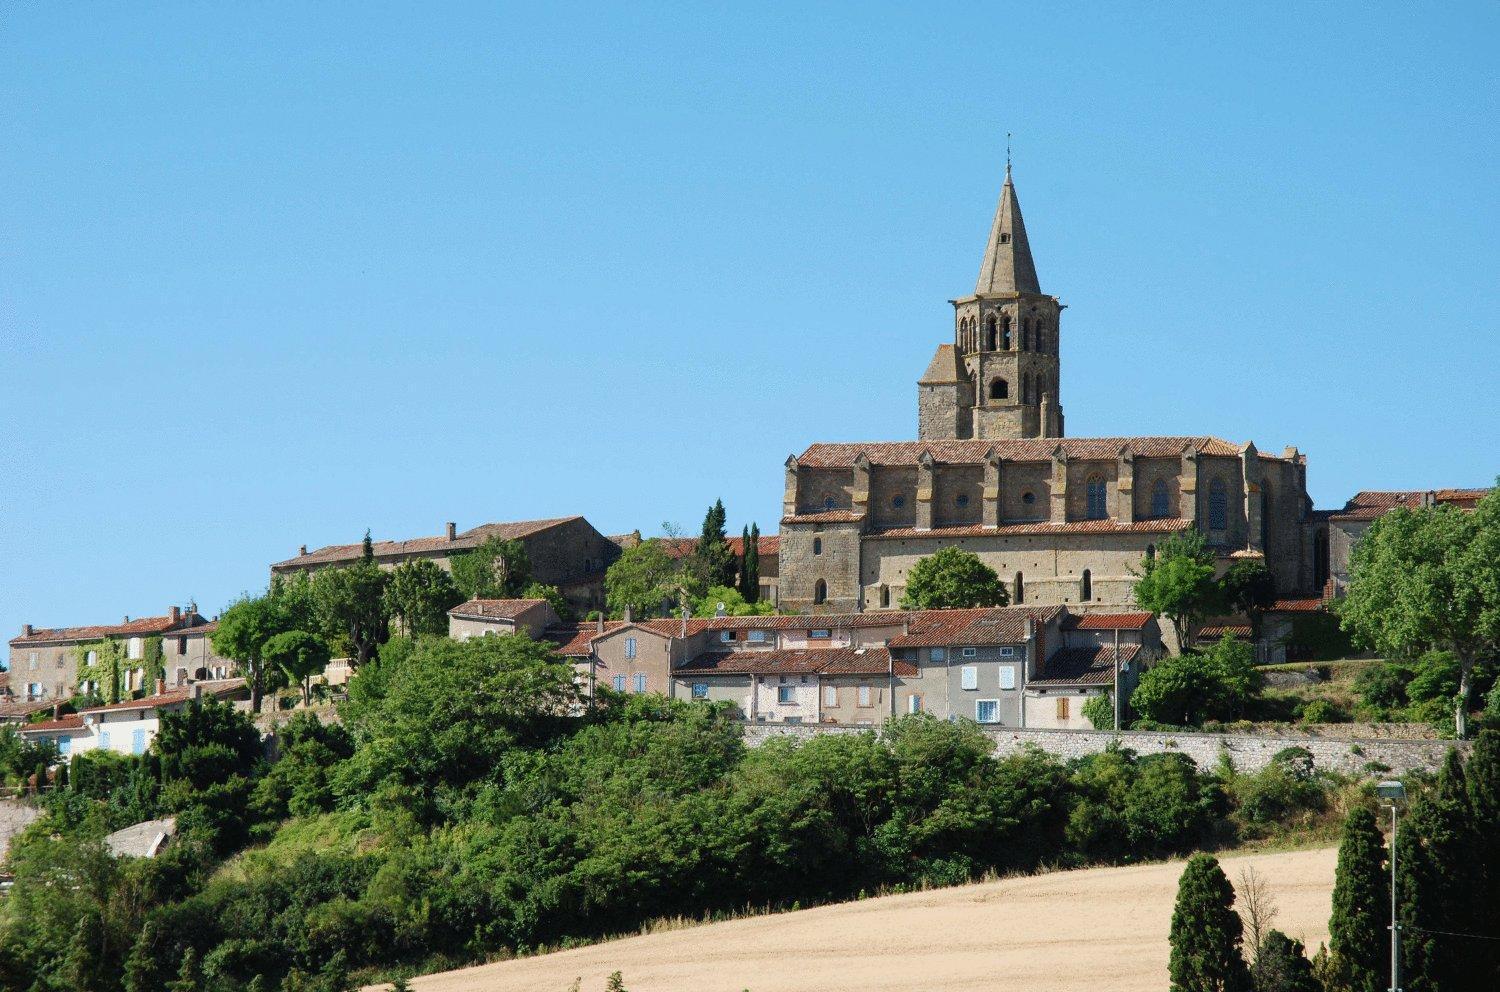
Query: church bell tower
<point>999,378</point>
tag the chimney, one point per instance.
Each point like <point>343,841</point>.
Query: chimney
<point>57,711</point>
<point>301,551</point>
<point>196,691</point>
<point>176,613</point>
<point>682,629</point>
<point>720,610</point>
<point>27,630</point>
<point>601,622</point>
<point>161,685</point>
<point>627,614</point>
<point>127,618</point>
<point>452,531</point>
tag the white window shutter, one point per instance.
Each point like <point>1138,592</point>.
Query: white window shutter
<point>969,677</point>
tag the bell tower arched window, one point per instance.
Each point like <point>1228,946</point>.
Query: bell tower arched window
<point>999,389</point>
<point>1005,331</point>
<point>1020,596</point>
<point>989,333</point>
<point>1087,586</point>
<point>820,592</point>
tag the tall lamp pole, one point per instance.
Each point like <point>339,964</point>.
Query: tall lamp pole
<point>1394,793</point>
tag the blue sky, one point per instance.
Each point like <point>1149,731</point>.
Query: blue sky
<point>271,274</point>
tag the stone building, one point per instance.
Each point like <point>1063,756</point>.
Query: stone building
<point>1062,520</point>
<point>1346,526</point>
<point>566,552</point>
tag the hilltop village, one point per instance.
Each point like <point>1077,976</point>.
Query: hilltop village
<point>1065,522</point>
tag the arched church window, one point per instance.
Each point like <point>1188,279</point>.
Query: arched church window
<point>885,596</point>
<point>1161,505</point>
<point>1087,584</point>
<point>962,500</point>
<point>1025,335</point>
<point>989,333</point>
<point>999,389</point>
<point>820,592</point>
<point>1218,506</point>
<point>1098,505</point>
<point>1005,332</point>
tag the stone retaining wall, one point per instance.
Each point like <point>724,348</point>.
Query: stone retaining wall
<point>1249,752</point>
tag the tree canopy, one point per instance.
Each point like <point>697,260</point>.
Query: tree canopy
<point>1206,932</point>
<point>1185,690</point>
<point>1178,583</point>
<point>647,581</point>
<point>299,656</point>
<point>951,578</point>
<point>497,569</point>
<point>419,595</point>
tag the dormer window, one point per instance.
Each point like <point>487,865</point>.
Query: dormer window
<point>1005,237</point>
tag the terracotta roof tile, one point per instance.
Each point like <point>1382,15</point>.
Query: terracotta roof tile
<point>496,609</point>
<point>997,625</point>
<point>143,626</point>
<point>974,452</point>
<point>1107,621</point>
<point>217,687</point>
<point>20,709</point>
<point>72,722</point>
<point>1299,604</point>
<point>797,661</point>
<point>1373,503</point>
<point>1083,666</point>
<point>1214,632</point>
<point>466,541</point>
<point>825,517</point>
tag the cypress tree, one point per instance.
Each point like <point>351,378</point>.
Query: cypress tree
<point>1435,889</point>
<point>1359,944</point>
<point>739,581</point>
<point>1206,932</point>
<point>751,589</point>
<point>1282,966</point>
<point>1483,774</point>
<point>189,976</point>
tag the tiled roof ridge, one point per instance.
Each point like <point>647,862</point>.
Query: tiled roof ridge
<point>838,454</point>
<point>463,540</point>
<point>141,626</point>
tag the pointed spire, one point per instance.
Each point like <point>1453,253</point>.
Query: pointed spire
<point>1007,266</point>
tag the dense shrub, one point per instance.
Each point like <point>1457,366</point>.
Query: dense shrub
<point>1383,687</point>
<point>1188,689</point>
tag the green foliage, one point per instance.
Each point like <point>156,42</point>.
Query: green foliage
<point>951,578</point>
<point>734,604</point>
<point>1383,687</point>
<point>1206,932</point>
<point>299,656</point>
<point>1320,711</point>
<point>497,569</point>
<point>712,563</point>
<point>749,577</point>
<point>552,595</point>
<point>1190,688</point>
<point>1248,587</point>
<point>1284,789</point>
<point>108,669</point>
<point>1179,582</point>
<point>1100,711</point>
<point>647,581</point>
<point>244,628</point>
<point>1359,956</point>
<point>1319,636</point>
<point>205,754</point>
<point>351,608</point>
<point>1282,966</point>
<point>1429,579</point>
<point>299,782</point>
<point>419,595</point>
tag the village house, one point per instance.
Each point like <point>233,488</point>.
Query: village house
<point>129,726</point>
<point>566,552</point>
<point>1346,526</point>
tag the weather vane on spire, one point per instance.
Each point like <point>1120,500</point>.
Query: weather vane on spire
<point>1007,153</point>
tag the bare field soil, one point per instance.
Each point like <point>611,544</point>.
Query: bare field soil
<point>1076,931</point>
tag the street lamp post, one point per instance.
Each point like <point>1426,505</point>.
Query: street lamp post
<point>1394,792</point>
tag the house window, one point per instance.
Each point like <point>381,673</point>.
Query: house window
<point>786,694</point>
<point>700,690</point>
<point>820,592</point>
<point>757,636</point>
<point>619,683</point>
<point>819,635</point>
<point>913,704</point>
<point>182,676</point>
<point>1098,507</point>
<point>630,647</point>
<point>1007,652</point>
<point>640,682</point>
<point>1007,677</point>
<point>182,645</point>
<point>134,649</point>
<point>817,545</point>
<point>971,652</point>
<point>1218,506</point>
<point>1062,707</point>
<point>939,654</point>
<point>968,677</point>
<point>64,746</point>
<point>1087,584</point>
<point>987,710</point>
<point>999,389</point>
<point>91,657</point>
<point>33,690</point>
<point>138,741</point>
<point>726,635</point>
<point>1160,505</point>
<point>864,696</point>
<point>830,695</point>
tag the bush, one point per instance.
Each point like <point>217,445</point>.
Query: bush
<point>1188,689</point>
<point>1383,687</point>
<point>1435,677</point>
<point>1321,711</point>
<point>1274,793</point>
<point>1100,711</point>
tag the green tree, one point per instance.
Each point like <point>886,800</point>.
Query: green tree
<point>419,595</point>
<point>85,968</point>
<point>497,569</point>
<point>750,564</point>
<point>1282,966</point>
<point>712,562</point>
<point>647,581</point>
<point>244,628</point>
<point>1187,689</point>
<point>298,655</point>
<point>735,605</point>
<point>1248,587</point>
<point>1359,945</point>
<point>1483,774</point>
<point>1100,711</point>
<point>1206,932</point>
<point>951,578</point>
<point>351,605</point>
<point>189,975</point>
<point>1435,888</point>
<point>1428,579</point>
<point>1179,583</point>
<point>554,598</point>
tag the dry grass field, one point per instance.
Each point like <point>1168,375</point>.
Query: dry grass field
<point>1077,931</point>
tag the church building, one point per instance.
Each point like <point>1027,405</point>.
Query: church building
<point>1062,520</point>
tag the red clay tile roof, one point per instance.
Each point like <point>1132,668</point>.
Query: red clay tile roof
<point>1372,503</point>
<point>974,452</point>
<point>996,625</point>
<point>495,609</point>
<point>218,687</point>
<point>1083,666</point>
<point>1107,621</point>
<point>825,517</point>
<point>466,541</point>
<point>71,722</point>
<point>576,641</point>
<point>200,630</point>
<point>1299,604</point>
<point>1165,525</point>
<point>1214,632</point>
<point>797,661</point>
<point>144,626</point>
<point>681,547</point>
<point>20,709</point>
<point>813,621</point>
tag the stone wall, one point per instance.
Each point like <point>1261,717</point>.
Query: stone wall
<point>1249,752</point>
